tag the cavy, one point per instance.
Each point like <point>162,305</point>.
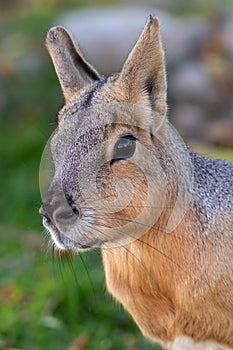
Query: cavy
<point>125,182</point>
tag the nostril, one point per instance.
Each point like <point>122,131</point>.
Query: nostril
<point>46,219</point>
<point>75,210</point>
<point>43,213</point>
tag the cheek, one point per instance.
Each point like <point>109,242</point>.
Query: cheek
<point>106,182</point>
<point>124,191</point>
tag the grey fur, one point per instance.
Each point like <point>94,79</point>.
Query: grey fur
<point>213,187</point>
<point>186,200</point>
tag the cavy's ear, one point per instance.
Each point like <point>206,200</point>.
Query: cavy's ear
<point>73,71</point>
<point>143,74</point>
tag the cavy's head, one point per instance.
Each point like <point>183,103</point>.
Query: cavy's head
<point>108,185</point>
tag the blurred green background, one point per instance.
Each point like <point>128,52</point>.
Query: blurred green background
<point>45,302</point>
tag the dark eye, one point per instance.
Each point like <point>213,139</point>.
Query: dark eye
<point>124,148</point>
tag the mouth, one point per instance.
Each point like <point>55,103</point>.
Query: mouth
<point>63,242</point>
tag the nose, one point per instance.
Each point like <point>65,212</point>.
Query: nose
<point>56,208</point>
<point>66,215</point>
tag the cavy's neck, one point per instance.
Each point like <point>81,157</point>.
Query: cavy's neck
<point>140,277</point>
<point>146,277</point>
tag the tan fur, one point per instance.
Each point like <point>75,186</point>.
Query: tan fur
<point>166,261</point>
<point>163,294</point>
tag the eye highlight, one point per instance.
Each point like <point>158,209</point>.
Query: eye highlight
<point>124,148</point>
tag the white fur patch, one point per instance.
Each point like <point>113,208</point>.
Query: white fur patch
<point>58,244</point>
<point>185,343</point>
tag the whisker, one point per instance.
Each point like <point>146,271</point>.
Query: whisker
<point>89,201</point>
<point>53,256</point>
<point>58,257</point>
<point>120,207</point>
<point>122,246</point>
<point>126,219</point>
<point>135,206</point>
<point>88,274</point>
<point>118,218</point>
<point>97,215</point>
<point>147,244</point>
<point>95,229</point>
<point>69,260</point>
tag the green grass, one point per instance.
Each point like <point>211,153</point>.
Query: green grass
<point>48,304</point>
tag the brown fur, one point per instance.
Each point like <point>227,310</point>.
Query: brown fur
<point>175,279</point>
<point>166,297</point>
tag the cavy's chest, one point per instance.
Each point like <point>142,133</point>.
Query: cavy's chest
<point>136,289</point>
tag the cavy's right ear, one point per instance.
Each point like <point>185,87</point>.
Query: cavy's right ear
<point>73,71</point>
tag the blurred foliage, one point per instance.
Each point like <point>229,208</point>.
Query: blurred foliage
<point>207,8</point>
<point>57,305</point>
<point>45,303</point>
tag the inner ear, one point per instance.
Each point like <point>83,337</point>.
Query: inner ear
<point>148,87</point>
<point>143,75</point>
<point>73,70</point>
